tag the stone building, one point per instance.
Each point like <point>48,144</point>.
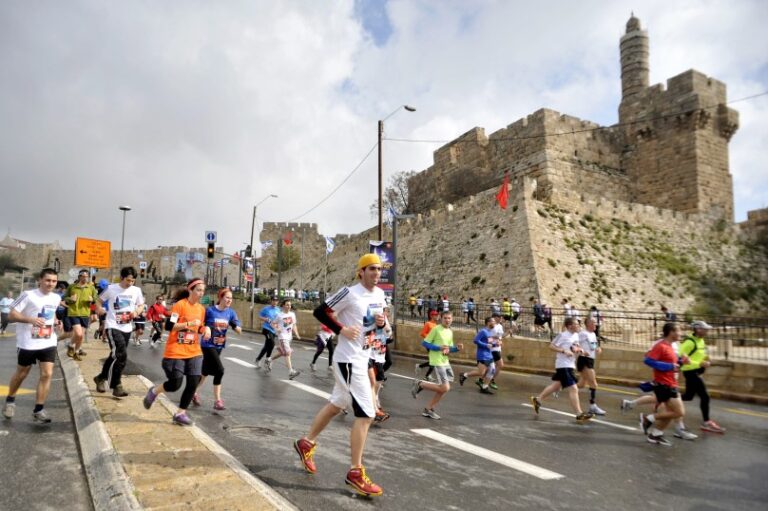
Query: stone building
<point>625,217</point>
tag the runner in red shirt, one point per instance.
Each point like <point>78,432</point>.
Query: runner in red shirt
<point>665,363</point>
<point>157,314</point>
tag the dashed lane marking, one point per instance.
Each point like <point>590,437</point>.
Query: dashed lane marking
<point>240,362</point>
<point>501,459</point>
<point>742,411</point>
<point>598,421</point>
<point>241,347</point>
<point>307,388</point>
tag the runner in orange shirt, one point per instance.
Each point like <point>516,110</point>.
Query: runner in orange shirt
<point>183,355</point>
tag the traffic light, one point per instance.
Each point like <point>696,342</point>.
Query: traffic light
<point>248,251</point>
<point>211,250</point>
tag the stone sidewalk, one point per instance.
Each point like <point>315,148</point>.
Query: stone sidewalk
<point>168,467</point>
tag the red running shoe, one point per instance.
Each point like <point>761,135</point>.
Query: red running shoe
<point>306,450</point>
<point>358,480</point>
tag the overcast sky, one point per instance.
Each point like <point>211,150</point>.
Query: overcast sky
<point>192,111</point>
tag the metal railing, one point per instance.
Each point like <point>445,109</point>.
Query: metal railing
<point>735,338</point>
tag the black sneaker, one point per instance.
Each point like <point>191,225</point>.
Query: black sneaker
<point>645,423</point>
<point>660,440</point>
<point>584,417</point>
<point>486,390</point>
<point>462,379</point>
<point>101,383</point>
<point>119,391</point>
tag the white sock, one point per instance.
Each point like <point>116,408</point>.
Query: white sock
<point>651,418</point>
<point>656,432</point>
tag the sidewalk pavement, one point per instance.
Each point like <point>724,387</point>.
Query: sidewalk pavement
<point>138,459</point>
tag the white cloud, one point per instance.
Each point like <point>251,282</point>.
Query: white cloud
<point>193,111</point>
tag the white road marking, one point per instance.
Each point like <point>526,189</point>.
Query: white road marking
<point>401,376</point>
<point>240,362</point>
<point>515,464</point>
<point>307,388</point>
<point>599,421</point>
<point>241,347</point>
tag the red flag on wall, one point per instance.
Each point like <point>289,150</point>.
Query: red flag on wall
<point>503,196</point>
<point>288,238</point>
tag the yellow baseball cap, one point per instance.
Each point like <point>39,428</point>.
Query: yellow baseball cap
<point>367,260</point>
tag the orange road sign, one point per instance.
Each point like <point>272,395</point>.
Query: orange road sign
<point>92,253</point>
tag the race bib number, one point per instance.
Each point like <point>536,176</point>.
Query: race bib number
<point>186,338</point>
<point>123,318</point>
<point>42,332</point>
<point>219,340</point>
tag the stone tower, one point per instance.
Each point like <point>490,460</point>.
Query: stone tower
<point>675,139</point>
<point>634,59</point>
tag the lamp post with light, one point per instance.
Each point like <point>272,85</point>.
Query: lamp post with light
<point>381,174</point>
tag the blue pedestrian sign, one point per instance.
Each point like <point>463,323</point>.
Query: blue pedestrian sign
<point>210,236</point>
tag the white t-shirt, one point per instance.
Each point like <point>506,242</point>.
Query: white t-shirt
<point>35,304</point>
<point>516,307</point>
<point>498,333</point>
<point>565,340</point>
<point>588,343</point>
<point>121,303</point>
<point>285,324</point>
<point>356,306</point>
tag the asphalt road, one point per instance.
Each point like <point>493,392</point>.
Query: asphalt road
<point>427,464</point>
<point>40,464</point>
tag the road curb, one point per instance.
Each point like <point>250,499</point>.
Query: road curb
<point>230,461</point>
<point>109,485</point>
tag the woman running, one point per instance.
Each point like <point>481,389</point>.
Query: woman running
<point>218,318</point>
<point>183,356</point>
<point>323,340</point>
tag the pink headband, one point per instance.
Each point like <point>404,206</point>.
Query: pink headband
<point>193,283</point>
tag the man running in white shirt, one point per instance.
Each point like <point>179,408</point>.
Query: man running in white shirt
<point>352,313</point>
<point>286,329</point>
<point>585,364</point>
<point>35,313</point>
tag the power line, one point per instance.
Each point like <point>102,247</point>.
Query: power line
<point>357,167</point>
<point>584,130</point>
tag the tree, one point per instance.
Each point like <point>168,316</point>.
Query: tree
<point>395,195</point>
<point>290,258</point>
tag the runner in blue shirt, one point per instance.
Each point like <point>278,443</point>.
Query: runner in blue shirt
<point>218,318</point>
<point>486,368</point>
<point>268,316</point>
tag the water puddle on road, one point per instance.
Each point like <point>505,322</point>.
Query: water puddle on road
<point>249,432</point>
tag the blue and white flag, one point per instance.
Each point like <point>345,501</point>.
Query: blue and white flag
<point>329,244</point>
<point>266,244</point>
<point>391,214</point>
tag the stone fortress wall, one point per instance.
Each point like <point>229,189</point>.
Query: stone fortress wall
<point>628,217</point>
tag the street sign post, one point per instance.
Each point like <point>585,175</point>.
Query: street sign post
<point>210,236</point>
<point>92,253</point>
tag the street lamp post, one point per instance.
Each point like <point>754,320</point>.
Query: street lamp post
<point>394,263</point>
<point>381,174</point>
<point>253,247</point>
<point>124,209</point>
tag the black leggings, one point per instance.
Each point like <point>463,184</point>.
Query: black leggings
<point>320,348</point>
<point>694,386</point>
<point>269,344</point>
<point>212,365</point>
<point>387,359</point>
<point>186,397</point>
<point>157,327</point>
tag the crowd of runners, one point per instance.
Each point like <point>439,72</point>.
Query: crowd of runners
<point>354,329</point>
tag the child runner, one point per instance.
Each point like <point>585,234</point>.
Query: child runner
<point>566,344</point>
<point>585,364</point>
<point>268,317</point>
<point>498,335</point>
<point>218,318</point>
<point>379,338</point>
<point>286,329</point>
<point>157,314</point>
<point>428,326</point>
<point>485,366</point>
<point>183,356</point>
<point>439,342</point>
<point>35,313</point>
<point>323,340</point>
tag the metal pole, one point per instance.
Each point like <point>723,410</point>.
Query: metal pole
<point>253,249</point>
<point>279,263</point>
<point>325,278</point>
<point>122,241</point>
<point>394,276</point>
<point>301,274</point>
<point>381,186</point>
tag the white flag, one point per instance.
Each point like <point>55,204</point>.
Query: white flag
<point>329,244</point>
